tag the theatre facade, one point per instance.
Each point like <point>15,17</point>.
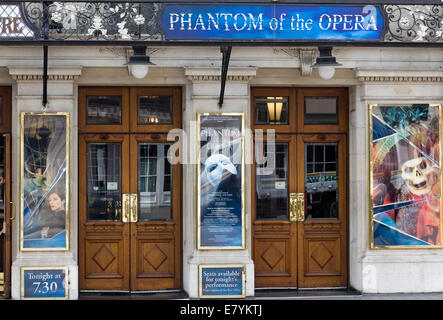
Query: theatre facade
<point>218,149</point>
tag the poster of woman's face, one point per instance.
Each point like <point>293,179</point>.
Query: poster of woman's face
<point>405,173</point>
<point>44,181</point>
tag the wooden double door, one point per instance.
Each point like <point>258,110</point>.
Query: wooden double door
<point>300,199</point>
<point>129,191</point>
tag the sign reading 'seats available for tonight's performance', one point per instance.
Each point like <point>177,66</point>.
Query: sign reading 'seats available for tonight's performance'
<point>273,22</point>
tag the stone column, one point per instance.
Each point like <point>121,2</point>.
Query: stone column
<point>202,96</point>
<point>386,270</point>
<point>27,96</point>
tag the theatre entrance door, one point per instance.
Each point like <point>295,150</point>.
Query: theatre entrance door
<point>300,198</point>
<point>129,192</point>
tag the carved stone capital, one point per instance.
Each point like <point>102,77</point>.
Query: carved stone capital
<point>20,73</point>
<point>214,74</point>
<point>419,76</point>
<point>306,57</point>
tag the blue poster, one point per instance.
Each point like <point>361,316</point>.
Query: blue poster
<point>272,22</point>
<point>221,281</point>
<point>44,283</point>
<point>44,181</point>
<point>220,194</point>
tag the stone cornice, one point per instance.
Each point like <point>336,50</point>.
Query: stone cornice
<point>399,76</point>
<point>214,74</point>
<point>20,73</point>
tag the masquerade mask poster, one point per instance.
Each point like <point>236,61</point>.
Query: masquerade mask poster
<point>220,181</point>
<point>405,169</point>
<point>44,181</point>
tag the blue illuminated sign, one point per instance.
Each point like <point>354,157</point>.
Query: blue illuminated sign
<point>272,22</point>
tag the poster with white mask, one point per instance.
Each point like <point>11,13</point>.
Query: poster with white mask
<point>220,181</point>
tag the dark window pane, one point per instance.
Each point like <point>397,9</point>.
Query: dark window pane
<point>330,166</point>
<point>321,190</point>
<point>318,167</point>
<point>318,153</point>
<point>271,110</point>
<point>154,109</point>
<point>321,110</point>
<point>154,182</point>
<point>271,189</point>
<point>104,110</point>
<point>104,181</point>
<point>331,153</point>
<point>309,168</point>
<point>310,154</point>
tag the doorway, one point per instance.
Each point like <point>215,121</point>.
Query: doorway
<point>129,193</point>
<point>299,217</point>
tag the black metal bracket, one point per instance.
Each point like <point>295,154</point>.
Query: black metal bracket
<point>45,77</point>
<point>45,55</point>
<point>226,51</point>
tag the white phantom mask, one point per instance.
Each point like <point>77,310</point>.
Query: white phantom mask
<point>215,166</point>
<point>419,175</point>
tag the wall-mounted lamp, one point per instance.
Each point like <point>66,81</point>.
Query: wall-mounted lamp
<point>274,108</point>
<point>326,63</point>
<point>139,63</point>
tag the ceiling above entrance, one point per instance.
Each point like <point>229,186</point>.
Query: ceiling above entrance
<point>250,23</point>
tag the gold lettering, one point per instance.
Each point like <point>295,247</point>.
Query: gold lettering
<point>16,24</point>
<point>7,24</point>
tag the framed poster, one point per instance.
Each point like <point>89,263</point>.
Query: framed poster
<point>44,181</point>
<point>405,176</point>
<point>220,186</point>
<point>221,281</point>
<point>38,283</point>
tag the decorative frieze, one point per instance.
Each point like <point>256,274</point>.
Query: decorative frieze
<point>214,74</point>
<point>19,73</point>
<point>39,77</point>
<point>399,76</point>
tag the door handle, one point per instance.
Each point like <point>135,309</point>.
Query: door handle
<point>300,206</point>
<point>13,210</point>
<point>126,207</point>
<point>134,207</point>
<point>293,206</point>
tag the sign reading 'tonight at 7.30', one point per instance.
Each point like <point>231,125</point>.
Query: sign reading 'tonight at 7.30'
<point>272,22</point>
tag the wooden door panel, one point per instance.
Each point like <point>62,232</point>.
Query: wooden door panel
<point>322,241</point>
<point>155,244</point>
<point>103,258</point>
<point>322,256</point>
<point>103,244</point>
<point>271,256</point>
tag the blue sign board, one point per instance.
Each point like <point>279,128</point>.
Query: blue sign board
<point>223,281</point>
<point>44,283</point>
<point>272,22</point>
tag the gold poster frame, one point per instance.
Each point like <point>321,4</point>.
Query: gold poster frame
<point>67,179</point>
<point>198,191</point>
<point>238,265</point>
<point>370,181</point>
<point>22,282</point>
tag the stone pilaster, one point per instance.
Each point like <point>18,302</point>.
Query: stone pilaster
<point>203,96</point>
<point>61,98</point>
